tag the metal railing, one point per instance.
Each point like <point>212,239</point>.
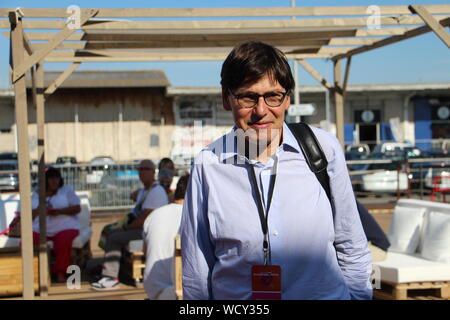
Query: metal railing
<point>411,177</point>
<point>109,186</point>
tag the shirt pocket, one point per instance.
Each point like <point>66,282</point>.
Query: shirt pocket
<point>230,248</point>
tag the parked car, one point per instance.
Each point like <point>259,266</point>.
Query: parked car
<point>381,177</point>
<point>356,151</point>
<point>116,186</point>
<point>9,156</point>
<point>438,175</point>
<point>66,161</point>
<point>97,168</point>
<point>385,178</point>
<point>391,146</point>
<point>9,180</point>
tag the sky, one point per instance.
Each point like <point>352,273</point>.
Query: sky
<point>421,59</point>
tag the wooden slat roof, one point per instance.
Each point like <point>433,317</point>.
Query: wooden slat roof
<point>172,34</point>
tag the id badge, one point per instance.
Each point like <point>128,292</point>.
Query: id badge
<point>266,282</point>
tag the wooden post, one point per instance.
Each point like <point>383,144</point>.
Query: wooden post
<point>339,102</point>
<point>178,276</point>
<point>21,113</point>
<point>38,98</point>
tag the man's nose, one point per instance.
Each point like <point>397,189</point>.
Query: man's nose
<point>261,106</point>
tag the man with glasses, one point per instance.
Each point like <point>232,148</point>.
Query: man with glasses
<point>149,198</point>
<point>257,223</point>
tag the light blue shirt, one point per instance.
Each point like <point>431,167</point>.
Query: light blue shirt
<point>323,253</point>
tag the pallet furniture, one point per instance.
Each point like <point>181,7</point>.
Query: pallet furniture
<point>417,265</point>
<point>11,272</point>
<point>134,258</point>
<point>436,290</point>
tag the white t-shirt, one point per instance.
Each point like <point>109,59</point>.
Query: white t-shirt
<point>157,197</point>
<point>160,229</point>
<point>64,197</point>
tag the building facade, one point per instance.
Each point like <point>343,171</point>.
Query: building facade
<point>124,115</point>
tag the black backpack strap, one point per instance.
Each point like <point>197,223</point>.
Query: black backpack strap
<point>314,155</point>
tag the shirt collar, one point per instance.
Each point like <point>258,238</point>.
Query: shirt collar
<point>228,144</point>
<point>289,140</point>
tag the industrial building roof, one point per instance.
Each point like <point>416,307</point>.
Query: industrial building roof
<point>108,79</point>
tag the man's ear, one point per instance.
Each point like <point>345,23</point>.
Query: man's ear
<point>225,101</point>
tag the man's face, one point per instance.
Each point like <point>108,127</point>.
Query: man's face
<point>146,173</point>
<point>266,121</point>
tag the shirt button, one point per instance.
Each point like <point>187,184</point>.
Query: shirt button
<point>275,233</point>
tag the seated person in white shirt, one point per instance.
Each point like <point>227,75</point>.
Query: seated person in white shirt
<point>149,198</point>
<point>62,209</point>
<point>159,231</point>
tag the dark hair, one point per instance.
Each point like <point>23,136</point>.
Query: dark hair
<point>166,163</point>
<point>250,61</point>
<point>181,187</point>
<point>51,172</point>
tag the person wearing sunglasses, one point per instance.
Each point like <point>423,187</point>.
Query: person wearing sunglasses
<point>257,223</point>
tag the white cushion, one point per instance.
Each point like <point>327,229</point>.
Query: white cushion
<point>9,242</point>
<point>9,205</point>
<point>436,240</point>
<point>403,268</point>
<point>405,229</point>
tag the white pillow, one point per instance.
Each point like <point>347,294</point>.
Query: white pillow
<point>436,242</point>
<point>404,232</point>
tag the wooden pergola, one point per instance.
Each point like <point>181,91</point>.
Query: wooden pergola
<point>195,34</point>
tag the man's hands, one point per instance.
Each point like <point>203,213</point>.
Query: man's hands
<point>52,212</point>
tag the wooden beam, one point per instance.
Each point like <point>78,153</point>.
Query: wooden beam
<point>227,12</point>
<point>353,41</point>
<point>38,99</point>
<point>432,23</point>
<point>21,114</point>
<point>378,44</point>
<point>150,57</point>
<point>224,24</point>
<point>339,102</point>
<point>346,75</point>
<point>395,31</point>
<point>27,44</point>
<point>230,34</point>
<point>59,38</point>
<point>178,44</point>
<point>315,74</point>
<point>61,78</point>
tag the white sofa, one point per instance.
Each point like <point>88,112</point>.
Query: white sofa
<point>420,244</point>
<point>10,203</point>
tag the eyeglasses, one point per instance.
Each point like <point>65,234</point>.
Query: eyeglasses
<point>250,100</point>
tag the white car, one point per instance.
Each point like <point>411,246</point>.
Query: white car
<point>443,182</point>
<point>383,177</point>
<point>98,165</point>
<point>391,146</point>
